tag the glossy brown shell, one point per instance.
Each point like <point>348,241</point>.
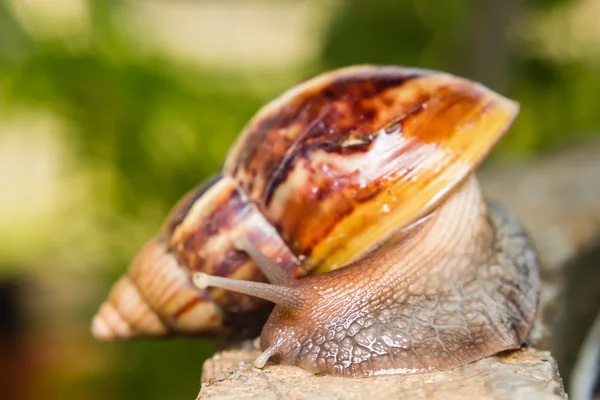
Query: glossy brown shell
<point>328,171</point>
<point>367,149</point>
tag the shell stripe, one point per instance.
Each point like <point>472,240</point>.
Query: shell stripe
<point>203,241</point>
<point>363,148</point>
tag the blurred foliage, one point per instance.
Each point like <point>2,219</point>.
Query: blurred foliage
<point>140,117</point>
<point>426,34</point>
<point>154,128</point>
<point>558,97</point>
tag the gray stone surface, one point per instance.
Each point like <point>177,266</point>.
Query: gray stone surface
<point>526,374</point>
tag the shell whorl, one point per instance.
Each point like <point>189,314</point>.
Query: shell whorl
<point>126,315</point>
<point>155,298</point>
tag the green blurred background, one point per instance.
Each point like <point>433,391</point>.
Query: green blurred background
<point>110,110</point>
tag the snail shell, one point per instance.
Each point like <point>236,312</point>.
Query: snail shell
<point>350,167</point>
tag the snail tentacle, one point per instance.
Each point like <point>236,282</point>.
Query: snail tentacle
<point>273,271</point>
<point>282,295</point>
<point>262,359</point>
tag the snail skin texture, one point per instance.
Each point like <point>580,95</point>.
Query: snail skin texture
<point>353,194</point>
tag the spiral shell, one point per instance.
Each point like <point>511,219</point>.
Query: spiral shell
<point>320,177</point>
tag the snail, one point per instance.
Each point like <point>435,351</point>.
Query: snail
<point>353,195</point>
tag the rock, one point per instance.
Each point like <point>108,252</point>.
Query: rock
<point>524,374</point>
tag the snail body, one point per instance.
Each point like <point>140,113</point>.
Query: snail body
<point>366,168</point>
<point>458,287</point>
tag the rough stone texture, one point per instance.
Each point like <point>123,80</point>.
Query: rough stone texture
<point>526,374</point>
<point>558,200</point>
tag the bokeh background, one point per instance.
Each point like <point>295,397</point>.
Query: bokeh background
<point>110,110</point>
